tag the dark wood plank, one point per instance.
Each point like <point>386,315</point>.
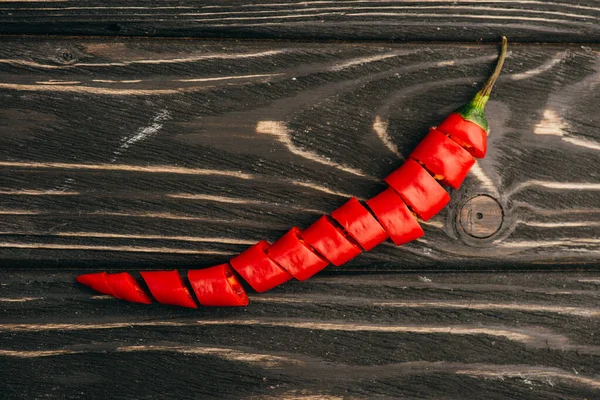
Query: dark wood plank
<point>564,21</point>
<point>176,153</point>
<point>527,336</point>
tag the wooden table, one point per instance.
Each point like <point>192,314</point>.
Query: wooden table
<point>175,135</point>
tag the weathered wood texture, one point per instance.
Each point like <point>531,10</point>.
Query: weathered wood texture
<point>176,152</point>
<point>565,21</point>
<point>442,336</point>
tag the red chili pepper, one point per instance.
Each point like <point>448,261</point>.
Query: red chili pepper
<point>444,157</point>
<point>167,287</point>
<point>467,125</point>
<point>258,269</point>
<point>469,135</point>
<point>418,189</point>
<point>217,286</point>
<point>446,152</point>
<point>124,287</point>
<point>360,224</point>
<point>294,255</point>
<point>395,217</point>
<point>330,241</point>
<point>96,281</point>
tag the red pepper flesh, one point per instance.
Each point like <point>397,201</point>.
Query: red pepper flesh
<point>443,156</point>
<point>330,241</point>
<point>423,194</point>
<point>217,286</point>
<point>258,269</point>
<point>125,287</point>
<point>293,255</point>
<point>167,287</point>
<point>466,133</point>
<point>360,224</point>
<point>96,281</point>
<point>395,217</point>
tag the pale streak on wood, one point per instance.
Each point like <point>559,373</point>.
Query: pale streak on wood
<point>553,185</point>
<point>157,169</point>
<point>365,60</point>
<point>198,239</point>
<point>143,133</point>
<point>575,311</point>
<point>323,189</point>
<point>279,130</point>
<point>117,81</point>
<point>18,299</point>
<point>95,90</point>
<point>265,360</point>
<point>554,212</point>
<point>149,61</point>
<point>234,200</point>
<point>433,223</point>
<point>381,130</point>
<point>58,82</point>
<point>37,353</point>
<point>218,199</point>
<point>31,192</point>
<point>582,143</point>
<point>594,281</point>
<point>551,124</point>
<point>486,182</point>
<point>532,373</point>
<point>550,243</point>
<point>19,212</point>
<point>224,78</point>
<point>127,249</point>
<point>570,224</point>
<point>558,57</point>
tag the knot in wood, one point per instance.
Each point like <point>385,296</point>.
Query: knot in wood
<point>481,216</point>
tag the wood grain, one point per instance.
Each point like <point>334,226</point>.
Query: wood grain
<point>532,20</point>
<point>161,153</point>
<point>529,336</point>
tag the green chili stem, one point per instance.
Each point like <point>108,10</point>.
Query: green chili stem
<point>483,95</point>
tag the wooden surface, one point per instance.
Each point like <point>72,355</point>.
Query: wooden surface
<point>418,336</point>
<point>140,153</point>
<point>563,21</point>
<point>169,153</point>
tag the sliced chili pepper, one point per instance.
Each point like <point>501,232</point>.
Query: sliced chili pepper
<point>96,281</point>
<point>469,135</point>
<point>259,270</point>
<point>360,224</point>
<point>330,241</point>
<point>418,189</point>
<point>217,286</point>
<point>126,288</point>
<point>293,255</point>
<point>444,157</point>
<point>168,288</point>
<point>395,217</point>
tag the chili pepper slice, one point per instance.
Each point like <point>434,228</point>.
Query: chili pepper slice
<point>330,241</point>
<point>360,224</point>
<point>395,217</point>
<point>443,156</point>
<point>167,287</point>
<point>466,133</point>
<point>423,194</point>
<point>125,287</point>
<point>294,255</point>
<point>217,286</point>
<point>259,270</point>
<point>96,281</point>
